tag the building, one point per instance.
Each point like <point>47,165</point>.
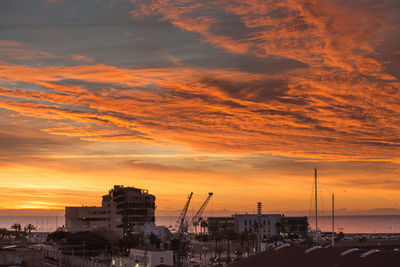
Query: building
<point>145,258</point>
<point>20,256</point>
<point>124,210</point>
<point>88,218</point>
<point>294,226</point>
<point>267,225</point>
<point>298,256</point>
<point>219,224</point>
<point>161,232</point>
<point>151,258</point>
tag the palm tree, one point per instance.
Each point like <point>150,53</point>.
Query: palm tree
<point>17,228</point>
<point>28,229</point>
<point>219,250</point>
<point>4,233</point>
<point>203,224</point>
<point>243,238</point>
<point>230,235</point>
<point>195,224</point>
<point>279,227</point>
<point>155,241</point>
<point>251,239</point>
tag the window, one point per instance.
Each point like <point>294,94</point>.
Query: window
<point>161,259</point>
<point>245,222</point>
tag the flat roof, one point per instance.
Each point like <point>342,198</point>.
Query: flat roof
<point>296,256</point>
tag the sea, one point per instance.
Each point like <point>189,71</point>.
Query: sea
<point>343,223</point>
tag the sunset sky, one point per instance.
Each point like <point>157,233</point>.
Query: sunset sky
<point>240,98</point>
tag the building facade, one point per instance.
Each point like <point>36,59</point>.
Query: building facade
<point>20,256</point>
<point>267,225</point>
<point>123,211</point>
<point>219,224</point>
<point>294,226</point>
<point>151,258</point>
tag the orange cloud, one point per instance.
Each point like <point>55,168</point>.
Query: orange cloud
<point>208,109</point>
<point>328,34</point>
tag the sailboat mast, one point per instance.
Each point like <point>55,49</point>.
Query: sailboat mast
<point>316,203</point>
<point>333,220</point>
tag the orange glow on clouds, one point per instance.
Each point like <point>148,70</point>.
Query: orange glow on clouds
<point>318,87</point>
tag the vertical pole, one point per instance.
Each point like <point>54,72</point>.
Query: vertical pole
<point>333,220</point>
<point>42,255</point>
<point>316,204</point>
<point>258,226</point>
<point>258,234</point>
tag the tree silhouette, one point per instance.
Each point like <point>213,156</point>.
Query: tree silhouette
<point>203,224</point>
<point>4,233</point>
<point>155,241</point>
<point>28,229</point>
<point>17,228</point>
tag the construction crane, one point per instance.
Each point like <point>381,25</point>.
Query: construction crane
<point>180,223</point>
<point>197,217</point>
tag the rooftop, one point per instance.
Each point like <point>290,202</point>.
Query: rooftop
<point>296,256</point>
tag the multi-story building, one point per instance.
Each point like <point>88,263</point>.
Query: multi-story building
<point>124,210</point>
<point>87,218</point>
<point>267,225</point>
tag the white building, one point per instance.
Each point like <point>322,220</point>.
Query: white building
<point>161,232</point>
<point>267,225</point>
<point>145,258</point>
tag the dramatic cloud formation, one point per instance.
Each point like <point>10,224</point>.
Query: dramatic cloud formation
<point>233,87</point>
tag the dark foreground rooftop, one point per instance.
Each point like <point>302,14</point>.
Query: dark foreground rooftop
<point>296,256</point>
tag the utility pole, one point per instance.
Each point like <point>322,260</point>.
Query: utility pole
<point>316,203</point>
<point>333,220</point>
<point>42,255</point>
